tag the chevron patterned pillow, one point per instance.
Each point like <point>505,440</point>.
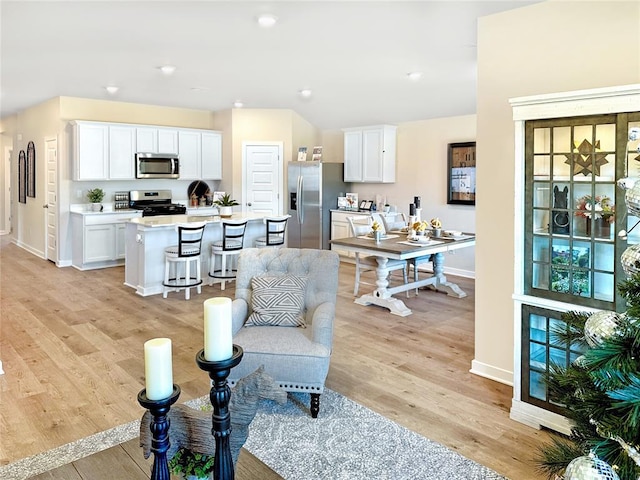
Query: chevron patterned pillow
<point>278,301</point>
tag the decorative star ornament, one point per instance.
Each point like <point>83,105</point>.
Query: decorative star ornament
<point>582,161</point>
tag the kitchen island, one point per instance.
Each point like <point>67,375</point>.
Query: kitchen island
<point>147,237</point>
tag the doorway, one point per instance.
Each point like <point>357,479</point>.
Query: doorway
<point>51,196</point>
<point>262,177</point>
<point>6,224</point>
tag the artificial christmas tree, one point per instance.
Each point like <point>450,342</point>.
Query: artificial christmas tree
<point>601,389</point>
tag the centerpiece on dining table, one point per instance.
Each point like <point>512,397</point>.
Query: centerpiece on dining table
<point>376,231</point>
<point>598,212</point>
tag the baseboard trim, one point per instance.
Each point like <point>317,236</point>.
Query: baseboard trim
<point>537,417</point>
<point>492,373</point>
<point>30,249</point>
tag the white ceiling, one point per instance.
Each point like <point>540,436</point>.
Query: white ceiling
<point>353,55</point>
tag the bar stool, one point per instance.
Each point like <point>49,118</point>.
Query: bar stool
<point>230,246</point>
<point>275,229</point>
<point>185,252</point>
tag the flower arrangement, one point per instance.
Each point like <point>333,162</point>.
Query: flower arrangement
<point>595,208</point>
<point>376,227</point>
<point>436,223</point>
<point>420,226</point>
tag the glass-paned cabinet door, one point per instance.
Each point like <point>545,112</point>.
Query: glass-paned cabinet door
<point>571,241</point>
<point>541,350</point>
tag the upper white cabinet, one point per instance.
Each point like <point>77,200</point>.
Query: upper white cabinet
<point>200,154</point>
<point>106,151</point>
<point>212,155</point>
<point>370,154</point>
<point>91,151</point>
<point>157,140</point>
<point>122,148</point>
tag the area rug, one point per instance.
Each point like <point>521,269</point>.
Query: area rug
<point>350,442</point>
<point>346,442</point>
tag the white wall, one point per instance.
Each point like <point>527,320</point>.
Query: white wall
<point>553,46</point>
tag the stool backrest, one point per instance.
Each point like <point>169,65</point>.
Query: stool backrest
<point>276,228</point>
<point>190,239</point>
<point>233,234</point>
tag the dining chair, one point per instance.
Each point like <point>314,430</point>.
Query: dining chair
<point>360,225</point>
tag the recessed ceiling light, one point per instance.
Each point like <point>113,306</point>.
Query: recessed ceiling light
<point>414,75</point>
<point>305,92</point>
<point>238,104</point>
<point>199,89</point>
<point>112,89</point>
<point>267,20</point>
<point>167,69</point>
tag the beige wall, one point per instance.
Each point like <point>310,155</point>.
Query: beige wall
<point>7,129</point>
<point>548,47</point>
<point>256,126</point>
<point>36,125</point>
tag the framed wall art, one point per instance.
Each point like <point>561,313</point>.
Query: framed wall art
<point>31,170</point>
<point>461,181</point>
<point>22,177</point>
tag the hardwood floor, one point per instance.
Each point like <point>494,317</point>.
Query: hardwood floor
<point>71,347</point>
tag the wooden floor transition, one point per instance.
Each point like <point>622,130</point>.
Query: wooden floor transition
<point>71,347</point>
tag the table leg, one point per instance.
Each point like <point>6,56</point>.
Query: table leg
<point>381,296</point>
<point>441,284</point>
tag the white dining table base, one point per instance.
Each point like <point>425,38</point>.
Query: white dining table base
<point>383,296</point>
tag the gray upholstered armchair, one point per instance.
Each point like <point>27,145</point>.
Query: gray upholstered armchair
<point>296,357</point>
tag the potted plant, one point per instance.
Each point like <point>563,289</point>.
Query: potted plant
<point>95,196</point>
<point>436,226</point>
<point>226,204</point>
<point>191,465</point>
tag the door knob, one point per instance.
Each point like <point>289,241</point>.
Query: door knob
<point>248,204</point>
<point>45,206</point>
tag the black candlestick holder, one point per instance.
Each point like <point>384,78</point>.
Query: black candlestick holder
<point>220,395</point>
<point>159,430</point>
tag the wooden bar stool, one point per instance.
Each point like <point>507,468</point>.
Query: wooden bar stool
<point>230,245</point>
<point>185,252</point>
<point>275,230</point>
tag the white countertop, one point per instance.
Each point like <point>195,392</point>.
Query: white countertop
<point>85,209</point>
<point>172,220</point>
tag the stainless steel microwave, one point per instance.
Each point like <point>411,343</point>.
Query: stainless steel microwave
<point>157,165</point>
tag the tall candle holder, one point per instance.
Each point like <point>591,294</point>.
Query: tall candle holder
<point>220,395</point>
<point>159,410</point>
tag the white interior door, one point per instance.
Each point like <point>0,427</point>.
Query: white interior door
<point>7,200</point>
<point>51,217</point>
<point>262,178</point>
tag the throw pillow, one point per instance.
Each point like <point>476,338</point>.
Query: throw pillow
<point>278,301</point>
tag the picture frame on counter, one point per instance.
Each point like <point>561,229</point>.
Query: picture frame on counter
<point>352,201</point>
<point>342,202</point>
<point>461,173</point>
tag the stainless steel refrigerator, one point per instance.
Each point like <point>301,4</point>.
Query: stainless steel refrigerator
<point>312,191</point>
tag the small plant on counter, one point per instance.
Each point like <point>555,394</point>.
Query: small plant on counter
<point>226,201</point>
<point>95,195</point>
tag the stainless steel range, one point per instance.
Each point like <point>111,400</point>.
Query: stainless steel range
<point>155,202</point>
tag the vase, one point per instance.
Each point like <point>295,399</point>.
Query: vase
<point>96,207</point>
<point>226,211</point>
<point>600,227</point>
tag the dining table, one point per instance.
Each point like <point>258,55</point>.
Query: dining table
<point>398,246</point>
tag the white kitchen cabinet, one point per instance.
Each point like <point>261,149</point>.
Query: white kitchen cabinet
<point>106,151</point>
<point>190,153</point>
<point>157,140</point>
<point>91,151</point>
<point>122,149</point>
<point>200,154</point>
<point>98,239</point>
<point>370,154</point>
<point>212,155</point>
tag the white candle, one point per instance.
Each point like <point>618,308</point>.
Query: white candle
<point>158,370</point>
<point>218,344</point>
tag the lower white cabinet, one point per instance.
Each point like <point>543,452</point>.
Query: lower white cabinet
<point>99,239</point>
